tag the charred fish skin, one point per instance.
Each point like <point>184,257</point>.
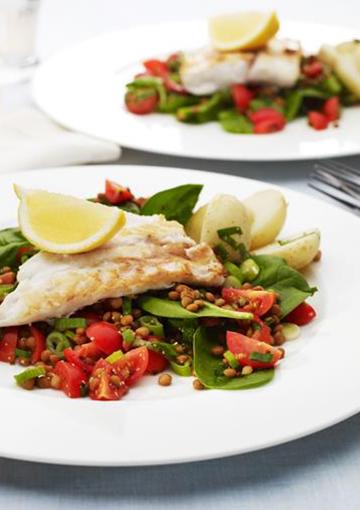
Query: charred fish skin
<point>150,253</point>
<point>206,71</point>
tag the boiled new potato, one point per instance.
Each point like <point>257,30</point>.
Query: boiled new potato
<point>268,209</point>
<point>223,211</point>
<point>345,60</point>
<point>298,251</point>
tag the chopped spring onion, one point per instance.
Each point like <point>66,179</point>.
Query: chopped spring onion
<point>231,359</point>
<point>290,331</point>
<point>227,235</point>
<point>264,357</point>
<point>21,353</point>
<point>29,373</point>
<point>128,336</point>
<point>234,270</point>
<point>69,323</point>
<point>127,305</point>
<point>70,334</point>
<point>57,342</point>
<point>232,282</point>
<point>249,270</point>
<point>221,252</point>
<point>153,324</point>
<point>5,289</point>
<point>115,356</point>
<point>182,370</point>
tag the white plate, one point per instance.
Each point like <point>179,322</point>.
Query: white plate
<point>316,385</point>
<point>83,89</point>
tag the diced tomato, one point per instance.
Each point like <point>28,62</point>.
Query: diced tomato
<point>88,351</point>
<point>8,345</point>
<point>157,362</point>
<point>72,378</point>
<point>105,336</point>
<point>241,96</point>
<point>267,120</point>
<point>102,385</point>
<point>303,314</point>
<point>262,332</point>
<point>7,278</point>
<point>318,120</point>
<point>141,101</point>
<point>244,346</point>
<point>313,69</point>
<point>133,365</point>
<point>73,357</point>
<point>332,108</point>
<point>156,67</point>
<point>117,194</point>
<point>260,301</point>
<point>39,344</point>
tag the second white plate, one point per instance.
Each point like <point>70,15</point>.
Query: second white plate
<point>83,89</point>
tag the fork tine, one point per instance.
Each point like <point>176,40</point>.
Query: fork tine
<point>319,183</point>
<point>337,182</point>
<point>339,173</point>
<point>339,165</point>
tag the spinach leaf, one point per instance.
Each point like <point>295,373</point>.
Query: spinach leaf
<point>11,239</point>
<point>175,101</point>
<point>290,284</point>
<point>295,99</point>
<point>233,122</point>
<point>187,328</point>
<point>173,310</point>
<point>174,203</point>
<point>209,368</point>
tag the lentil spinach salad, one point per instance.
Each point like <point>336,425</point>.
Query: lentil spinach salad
<point>226,336</point>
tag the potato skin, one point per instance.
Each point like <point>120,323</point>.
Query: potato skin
<point>268,209</point>
<point>298,252</point>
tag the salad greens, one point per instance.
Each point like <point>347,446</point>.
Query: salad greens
<point>11,239</point>
<point>209,368</point>
<point>234,122</point>
<point>276,274</point>
<point>174,203</point>
<point>172,309</point>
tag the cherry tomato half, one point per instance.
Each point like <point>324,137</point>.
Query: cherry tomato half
<point>318,120</point>
<point>8,345</point>
<point>332,108</point>
<point>301,315</point>
<point>241,344</point>
<point>39,344</point>
<point>157,362</point>
<point>313,69</point>
<point>105,336</point>
<point>260,301</point>
<point>241,96</point>
<point>141,101</point>
<point>103,385</point>
<point>72,378</point>
<point>133,365</point>
<point>117,194</point>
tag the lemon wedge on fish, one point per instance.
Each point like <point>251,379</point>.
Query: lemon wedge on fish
<point>63,224</point>
<point>243,30</point>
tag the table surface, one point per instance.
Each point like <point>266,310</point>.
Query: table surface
<point>321,471</point>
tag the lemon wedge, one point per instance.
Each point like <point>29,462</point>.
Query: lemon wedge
<point>243,30</point>
<point>64,224</point>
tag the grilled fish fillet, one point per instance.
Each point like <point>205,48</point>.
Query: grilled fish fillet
<point>206,71</point>
<point>149,253</point>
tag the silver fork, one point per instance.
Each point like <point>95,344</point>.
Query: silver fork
<point>338,181</point>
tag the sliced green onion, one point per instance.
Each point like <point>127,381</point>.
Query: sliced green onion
<point>182,370</point>
<point>115,356</point>
<point>153,324</point>
<point>127,305</point>
<point>264,357</point>
<point>29,373</point>
<point>232,282</point>
<point>290,331</point>
<point>69,323</point>
<point>21,353</point>
<point>57,342</point>
<point>249,270</point>
<point>231,359</point>
<point>226,235</point>
<point>128,336</point>
<point>70,334</point>
<point>234,270</point>
<point>221,252</point>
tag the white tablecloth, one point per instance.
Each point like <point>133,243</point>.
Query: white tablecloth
<point>320,472</point>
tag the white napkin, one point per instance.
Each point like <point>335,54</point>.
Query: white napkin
<point>29,139</point>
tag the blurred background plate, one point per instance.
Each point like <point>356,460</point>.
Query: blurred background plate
<point>83,88</point>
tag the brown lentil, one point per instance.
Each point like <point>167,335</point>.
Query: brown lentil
<point>210,297</point>
<point>22,343</point>
<point>25,362</point>
<point>80,331</point>
<point>136,313</point>
<point>247,370</point>
<point>174,295</point>
<point>199,302</point>
<point>229,372</point>
<point>179,349</point>
<point>181,288</point>
<point>45,356</point>
<point>278,328</point>
<point>43,382</point>
<point>5,269</point>
<point>116,316</point>
<point>165,379</point>
<point>107,316</point>
<point>80,339</point>
<point>143,331</point>
<point>217,350</point>
<point>282,352</point>
<point>115,380</point>
<point>220,302</point>
<point>116,303</point>
<point>55,381</point>
<point>193,307</point>
<point>186,301</point>
<point>30,342</point>
<point>29,384</point>
<point>279,338</point>
<point>242,301</point>
<point>197,294</point>
<point>198,385</point>
<point>53,359</point>
<point>275,310</point>
<point>127,320</point>
<point>182,358</point>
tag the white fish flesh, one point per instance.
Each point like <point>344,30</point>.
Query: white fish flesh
<point>149,253</point>
<point>206,71</point>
